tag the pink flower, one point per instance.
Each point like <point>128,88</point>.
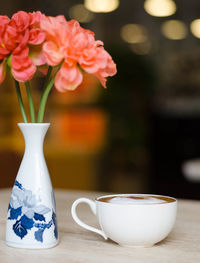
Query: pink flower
<point>69,42</point>
<point>4,20</point>
<point>18,37</point>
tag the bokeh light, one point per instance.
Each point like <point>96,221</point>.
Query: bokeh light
<point>141,48</point>
<point>101,6</point>
<point>134,33</point>
<point>195,28</point>
<point>81,14</point>
<point>174,29</point>
<point>160,8</point>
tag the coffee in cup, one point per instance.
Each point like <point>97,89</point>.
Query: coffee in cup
<point>136,199</point>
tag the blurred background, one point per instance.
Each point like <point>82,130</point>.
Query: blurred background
<point>142,133</point>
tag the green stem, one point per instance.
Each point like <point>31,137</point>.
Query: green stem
<point>48,76</point>
<point>44,100</point>
<point>21,105</point>
<point>30,102</point>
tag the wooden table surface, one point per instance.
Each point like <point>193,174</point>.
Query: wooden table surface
<point>79,245</point>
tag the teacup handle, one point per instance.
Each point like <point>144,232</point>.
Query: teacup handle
<point>92,206</point>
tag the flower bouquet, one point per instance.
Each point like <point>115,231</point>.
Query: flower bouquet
<point>64,52</point>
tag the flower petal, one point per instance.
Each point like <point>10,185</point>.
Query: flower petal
<point>101,79</point>
<point>23,43</point>
<point>4,20</point>
<point>10,37</point>
<point>52,54</point>
<point>23,68</point>
<point>36,36</point>
<point>24,75</point>
<point>56,29</point>
<point>2,70</point>
<point>109,70</point>
<point>3,52</point>
<point>68,78</point>
<point>37,55</point>
<point>21,20</point>
<point>35,18</point>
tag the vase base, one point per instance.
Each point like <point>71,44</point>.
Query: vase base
<point>31,246</point>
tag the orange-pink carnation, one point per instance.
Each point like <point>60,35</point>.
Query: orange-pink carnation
<point>77,49</point>
<point>17,37</point>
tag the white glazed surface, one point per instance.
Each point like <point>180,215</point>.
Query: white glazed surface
<point>34,177</point>
<point>132,224</point>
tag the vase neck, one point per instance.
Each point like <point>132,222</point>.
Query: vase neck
<point>34,134</point>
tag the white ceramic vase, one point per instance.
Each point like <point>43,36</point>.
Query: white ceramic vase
<point>31,220</point>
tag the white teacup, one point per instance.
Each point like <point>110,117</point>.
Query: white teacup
<point>136,220</point>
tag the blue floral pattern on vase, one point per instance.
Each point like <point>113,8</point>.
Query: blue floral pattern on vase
<point>25,209</point>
